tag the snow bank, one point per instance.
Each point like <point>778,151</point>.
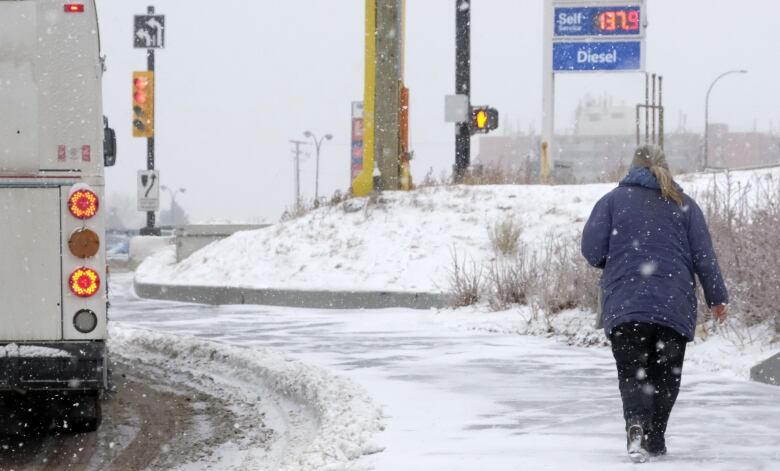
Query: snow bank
<point>341,417</point>
<point>402,242</point>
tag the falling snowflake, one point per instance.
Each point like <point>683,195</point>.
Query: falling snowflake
<point>648,268</point>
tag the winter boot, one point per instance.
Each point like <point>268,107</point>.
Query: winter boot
<point>656,446</point>
<point>636,444</point>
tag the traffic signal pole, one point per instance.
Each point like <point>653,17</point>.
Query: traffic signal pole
<point>150,228</point>
<point>462,83</point>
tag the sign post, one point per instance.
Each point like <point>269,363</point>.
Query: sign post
<point>587,36</point>
<point>149,34</point>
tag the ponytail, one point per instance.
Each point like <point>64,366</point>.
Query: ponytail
<point>653,158</point>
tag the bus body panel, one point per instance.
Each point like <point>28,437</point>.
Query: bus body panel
<point>30,264</point>
<point>50,88</point>
<point>51,138</point>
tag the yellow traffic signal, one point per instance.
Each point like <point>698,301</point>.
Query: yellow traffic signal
<point>143,104</point>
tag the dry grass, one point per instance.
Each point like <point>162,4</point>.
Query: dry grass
<point>480,175</point>
<point>308,206</point>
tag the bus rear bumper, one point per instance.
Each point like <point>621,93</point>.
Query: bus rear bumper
<point>53,366</point>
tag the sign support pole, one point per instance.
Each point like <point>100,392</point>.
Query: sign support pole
<point>547,152</point>
<point>462,84</point>
<point>150,228</point>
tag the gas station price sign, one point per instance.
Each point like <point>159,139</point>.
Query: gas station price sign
<point>598,21</point>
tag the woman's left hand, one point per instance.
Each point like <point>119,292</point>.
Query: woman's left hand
<point>719,312</point>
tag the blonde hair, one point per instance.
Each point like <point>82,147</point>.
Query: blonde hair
<point>652,157</point>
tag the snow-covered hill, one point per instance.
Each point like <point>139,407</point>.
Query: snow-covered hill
<point>403,241</point>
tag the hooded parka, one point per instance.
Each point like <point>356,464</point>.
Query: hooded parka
<point>650,249</point>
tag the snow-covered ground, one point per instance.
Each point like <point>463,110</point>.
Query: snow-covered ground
<point>465,389</point>
<point>456,396</point>
<point>402,242</point>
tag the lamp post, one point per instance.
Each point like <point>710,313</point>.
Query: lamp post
<point>707,112</point>
<point>172,194</point>
<point>317,144</point>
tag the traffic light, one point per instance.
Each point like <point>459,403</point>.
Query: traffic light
<point>483,119</point>
<point>143,104</point>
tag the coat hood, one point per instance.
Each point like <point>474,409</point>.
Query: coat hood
<point>642,176</point>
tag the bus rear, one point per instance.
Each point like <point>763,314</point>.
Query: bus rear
<point>53,316</point>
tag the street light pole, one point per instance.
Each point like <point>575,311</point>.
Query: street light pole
<point>173,194</point>
<point>707,112</point>
<point>317,144</point>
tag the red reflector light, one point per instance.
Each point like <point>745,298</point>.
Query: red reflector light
<point>83,204</point>
<point>74,8</point>
<point>84,282</point>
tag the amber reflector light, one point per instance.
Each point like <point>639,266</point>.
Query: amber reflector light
<point>84,282</point>
<point>84,243</point>
<point>83,204</point>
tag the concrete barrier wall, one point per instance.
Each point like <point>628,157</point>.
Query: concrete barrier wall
<point>768,371</point>
<point>292,298</point>
<point>144,246</point>
<point>190,239</point>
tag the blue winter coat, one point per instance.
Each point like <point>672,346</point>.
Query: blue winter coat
<point>650,248</point>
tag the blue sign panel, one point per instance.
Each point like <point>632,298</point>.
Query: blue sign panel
<point>598,21</point>
<point>592,56</point>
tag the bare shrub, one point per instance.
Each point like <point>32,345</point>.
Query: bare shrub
<point>743,221</point>
<point>552,280</point>
<point>505,236</point>
<point>465,280</point>
<point>564,279</point>
<point>308,206</point>
<point>511,281</point>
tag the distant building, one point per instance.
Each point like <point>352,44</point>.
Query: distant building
<point>604,137</point>
<point>741,149</point>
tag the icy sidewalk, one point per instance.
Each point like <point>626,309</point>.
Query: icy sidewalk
<point>466,400</point>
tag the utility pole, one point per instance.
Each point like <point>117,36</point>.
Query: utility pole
<point>388,83</point>
<point>462,83</point>
<point>297,153</point>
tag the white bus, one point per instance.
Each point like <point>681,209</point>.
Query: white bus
<point>54,145</point>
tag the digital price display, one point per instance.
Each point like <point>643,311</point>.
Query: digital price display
<point>598,21</point>
<point>625,20</point>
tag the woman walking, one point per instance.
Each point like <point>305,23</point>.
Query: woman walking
<point>650,239</point>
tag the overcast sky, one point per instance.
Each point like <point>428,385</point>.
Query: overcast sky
<point>239,78</point>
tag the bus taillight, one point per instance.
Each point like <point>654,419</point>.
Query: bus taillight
<point>74,8</point>
<point>83,204</point>
<point>84,282</point>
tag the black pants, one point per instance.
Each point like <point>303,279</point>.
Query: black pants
<point>649,363</point>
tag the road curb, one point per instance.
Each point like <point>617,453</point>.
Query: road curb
<point>291,298</point>
<point>767,371</point>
